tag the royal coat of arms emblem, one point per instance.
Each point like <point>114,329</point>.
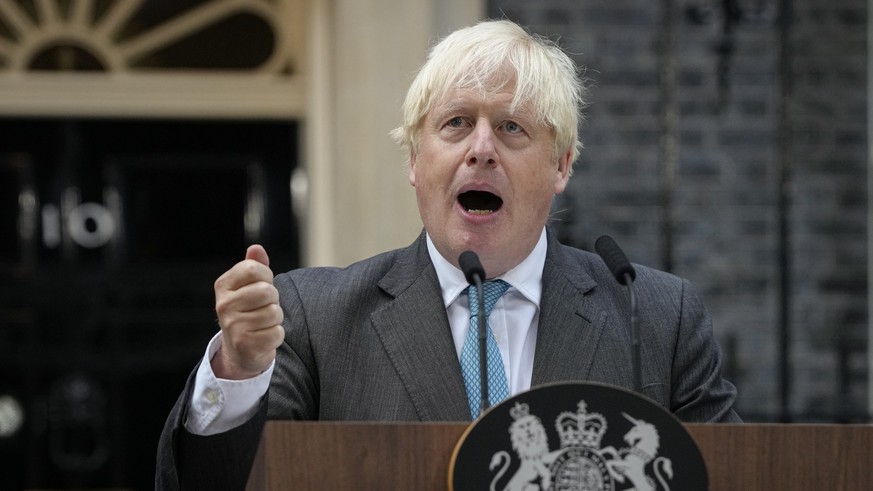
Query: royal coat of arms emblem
<point>614,448</point>
<point>580,464</point>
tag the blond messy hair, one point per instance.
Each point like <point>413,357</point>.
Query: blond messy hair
<point>494,55</point>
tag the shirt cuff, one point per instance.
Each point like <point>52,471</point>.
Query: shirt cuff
<point>218,405</point>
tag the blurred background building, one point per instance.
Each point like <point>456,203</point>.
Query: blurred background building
<point>144,144</point>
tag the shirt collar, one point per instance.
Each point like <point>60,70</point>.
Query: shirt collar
<point>526,278</point>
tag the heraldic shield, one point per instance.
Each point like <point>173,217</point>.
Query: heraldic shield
<point>577,437</point>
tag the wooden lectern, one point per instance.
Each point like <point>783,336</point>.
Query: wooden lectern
<point>415,456</point>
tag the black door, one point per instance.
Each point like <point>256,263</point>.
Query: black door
<point>112,233</point>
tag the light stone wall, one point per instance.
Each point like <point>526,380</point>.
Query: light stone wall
<point>363,55</point>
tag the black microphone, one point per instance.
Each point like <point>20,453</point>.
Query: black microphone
<point>615,260</point>
<point>475,275</point>
<point>625,274</point>
<point>471,267</point>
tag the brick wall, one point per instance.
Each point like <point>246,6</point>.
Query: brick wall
<point>777,137</point>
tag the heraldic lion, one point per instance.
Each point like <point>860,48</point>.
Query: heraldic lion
<point>530,442</point>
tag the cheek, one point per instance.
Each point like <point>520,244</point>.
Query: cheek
<point>430,175</point>
<point>426,187</point>
<point>540,187</point>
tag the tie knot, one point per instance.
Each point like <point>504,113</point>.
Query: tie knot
<point>491,291</point>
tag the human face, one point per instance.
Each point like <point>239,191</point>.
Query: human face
<point>485,177</point>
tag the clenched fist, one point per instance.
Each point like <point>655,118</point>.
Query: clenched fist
<point>250,317</point>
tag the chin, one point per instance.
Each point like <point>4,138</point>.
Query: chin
<point>480,244</point>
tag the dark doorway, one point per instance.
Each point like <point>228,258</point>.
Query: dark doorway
<point>112,233</point>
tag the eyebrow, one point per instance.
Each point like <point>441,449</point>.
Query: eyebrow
<point>451,107</point>
<point>462,105</point>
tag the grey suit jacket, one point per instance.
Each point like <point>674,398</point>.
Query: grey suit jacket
<point>372,342</point>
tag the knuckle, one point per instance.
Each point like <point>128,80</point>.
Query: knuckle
<point>224,279</point>
<point>230,325</point>
<point>222,306</point>
<point>252,268</point>
<point>273,294</point>
<point>277,314</point>
<point>278,335</point>
<point>263,289</point>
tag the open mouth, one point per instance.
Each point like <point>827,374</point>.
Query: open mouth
<point>480,202</point>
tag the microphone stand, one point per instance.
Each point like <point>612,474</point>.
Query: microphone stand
<point>635,333</point>
<point>475,274</point>
<point>623,272</point>
<point>483,347</point>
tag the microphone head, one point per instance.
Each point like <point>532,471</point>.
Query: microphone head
<point>470,265</point>
<point>615,259</point>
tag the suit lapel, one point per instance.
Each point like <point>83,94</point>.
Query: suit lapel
<point>414,330</point>
<point>570,325</point>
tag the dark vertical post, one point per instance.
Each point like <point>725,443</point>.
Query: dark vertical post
<point>668,127</point>
<point>784,211</point>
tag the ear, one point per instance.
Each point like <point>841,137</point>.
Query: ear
<point>412,162</point>
<point>562,172</point>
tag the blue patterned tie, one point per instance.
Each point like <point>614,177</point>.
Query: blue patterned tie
<point>498,389</point>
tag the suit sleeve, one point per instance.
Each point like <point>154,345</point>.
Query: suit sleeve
<point>223,461</point>
<point>699,392</point>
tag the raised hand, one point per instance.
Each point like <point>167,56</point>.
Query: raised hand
<point>250,317</point>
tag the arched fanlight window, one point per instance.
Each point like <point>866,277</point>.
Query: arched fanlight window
<point>151,56</point>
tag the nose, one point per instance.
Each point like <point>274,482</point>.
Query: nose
<point>482,146</point>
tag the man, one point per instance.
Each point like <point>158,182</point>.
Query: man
<point>490,123</point>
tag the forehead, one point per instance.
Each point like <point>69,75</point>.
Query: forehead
<point>502,101</point>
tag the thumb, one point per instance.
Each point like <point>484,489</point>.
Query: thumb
<point>259,254</point>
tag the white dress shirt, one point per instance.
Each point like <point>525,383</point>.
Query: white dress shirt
<point>218,405</point>
<point>514,319</point>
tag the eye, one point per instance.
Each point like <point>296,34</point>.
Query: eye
<point>455,122</point>
<point>512,127</point>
